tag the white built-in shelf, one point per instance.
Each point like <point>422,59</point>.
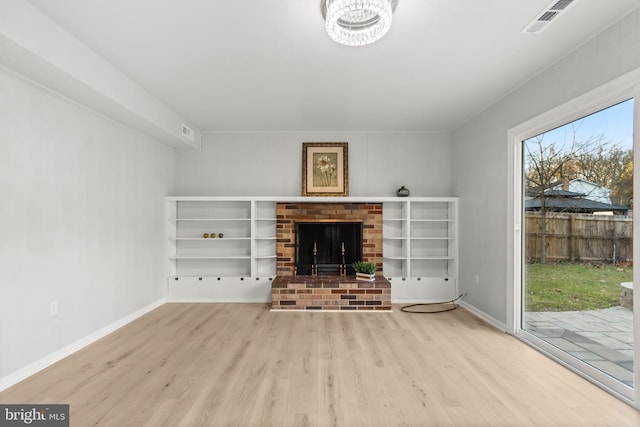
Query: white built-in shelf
<point>433,238</point>
<point>209,257</point>
<point>419,239</point>
<point>210,239</point>
<point>247,249</point>
<point>212,219</point>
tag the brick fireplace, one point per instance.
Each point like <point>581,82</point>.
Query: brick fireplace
<point>288,214</point>
<point>320,292</point>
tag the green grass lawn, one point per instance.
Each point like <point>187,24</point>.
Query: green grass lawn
<point>574,287</point>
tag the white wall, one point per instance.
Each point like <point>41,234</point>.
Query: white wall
<point>81,222</point>
<point>480,160</point>
<point>33,45</point>
<point>270,163</point>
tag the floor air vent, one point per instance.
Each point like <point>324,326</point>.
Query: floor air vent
<point>544,18</point>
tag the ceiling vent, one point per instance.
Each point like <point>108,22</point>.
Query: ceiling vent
<point>548,15</point>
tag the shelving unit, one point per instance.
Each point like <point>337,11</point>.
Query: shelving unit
<point>235,267</point>
<point>420,248</point>
<point>227,252</point>
<point>263,231</point>
<point>420,255</point>
<point>395,243</point>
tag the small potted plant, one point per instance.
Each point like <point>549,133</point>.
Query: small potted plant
<point>365,270</point>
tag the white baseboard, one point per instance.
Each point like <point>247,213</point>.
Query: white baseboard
<point>217,300</point>
<point>484,316</point>
<point>23,373</point>
<point>403,301</point>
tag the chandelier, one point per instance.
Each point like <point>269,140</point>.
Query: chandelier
<point>357,22</point>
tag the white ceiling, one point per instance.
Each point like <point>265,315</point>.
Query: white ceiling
<point>269,65</point>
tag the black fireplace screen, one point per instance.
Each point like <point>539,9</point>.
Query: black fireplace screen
<point>335,244</point>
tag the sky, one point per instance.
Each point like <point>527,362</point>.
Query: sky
<point>616,123</point>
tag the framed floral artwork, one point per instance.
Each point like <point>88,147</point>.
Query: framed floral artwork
<point>325,169</point>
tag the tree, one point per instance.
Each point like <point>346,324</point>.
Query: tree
<point>622,187</point>
<point>607,167</point>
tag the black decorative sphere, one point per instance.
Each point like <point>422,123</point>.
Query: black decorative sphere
<point>403,191</point>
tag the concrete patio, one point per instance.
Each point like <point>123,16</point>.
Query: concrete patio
<point>601,338</point>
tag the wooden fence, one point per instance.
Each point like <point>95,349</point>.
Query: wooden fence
<point>580,237</point>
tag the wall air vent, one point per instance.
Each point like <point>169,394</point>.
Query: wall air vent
<point>544,18</point>
<point>187,132</point>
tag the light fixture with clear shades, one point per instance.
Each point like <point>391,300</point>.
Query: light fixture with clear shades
<point>357,22</point>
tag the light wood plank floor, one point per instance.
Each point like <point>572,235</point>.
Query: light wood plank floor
<point>242,365</point>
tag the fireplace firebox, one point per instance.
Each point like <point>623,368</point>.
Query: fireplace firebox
<point>327,247</point>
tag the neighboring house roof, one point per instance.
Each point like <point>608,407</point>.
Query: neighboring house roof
<point>534,191</point>
<point>563,193</point>
<point>572,204</point>
<point>590,189</point>
<point>585,181</point>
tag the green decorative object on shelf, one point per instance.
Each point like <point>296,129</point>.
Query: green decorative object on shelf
<point>213,235</point>
<point>205,235</point>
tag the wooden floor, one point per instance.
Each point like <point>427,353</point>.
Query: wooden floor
<point>242,365</point>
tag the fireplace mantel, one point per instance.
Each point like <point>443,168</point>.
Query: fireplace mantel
<point>306,199</point>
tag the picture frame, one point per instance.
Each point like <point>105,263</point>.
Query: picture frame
<point>325,169</point>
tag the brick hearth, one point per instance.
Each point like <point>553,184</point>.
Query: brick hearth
<point>329,293</point>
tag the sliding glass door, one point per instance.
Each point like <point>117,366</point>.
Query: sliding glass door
<point>577,244</point>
